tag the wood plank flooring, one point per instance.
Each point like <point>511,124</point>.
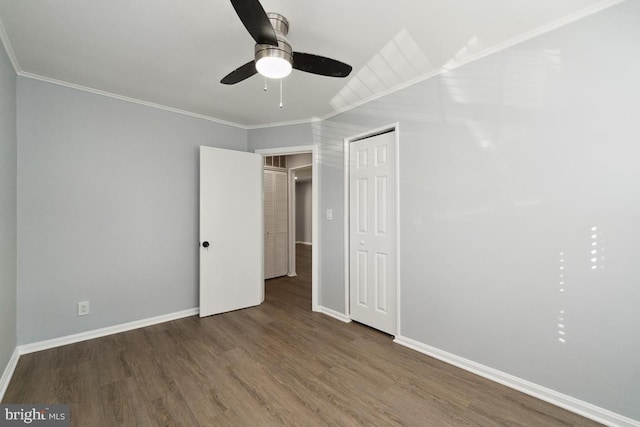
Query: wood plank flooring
<point>276,364</point>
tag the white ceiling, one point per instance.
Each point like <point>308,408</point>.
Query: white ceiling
<point>174,53</point>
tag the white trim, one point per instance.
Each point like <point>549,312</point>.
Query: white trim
<point>394,127</point>
<point>398,254</point>
<point>8,372</point>
<point>346,238</point>
<point>569,403</point>
<point>286,151</point>
<point>127,99</point>
<point>289,123</point>
<point>591,10</point>
<point>291,206</point>
<point>9,49</point>
<point>315,249</point>
<point>558,23</point>
<point>303,243</point>
<point>109,330</point>
<point>335,314</point>
<point>315,230</point>
<point>83,336</point>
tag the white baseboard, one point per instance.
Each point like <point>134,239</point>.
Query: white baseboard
<point>8,372</point>
<point>569,403</point>
<point>292,274</point>
<point>110,330</point>
<point>335,314</point>
<point>304,243</point>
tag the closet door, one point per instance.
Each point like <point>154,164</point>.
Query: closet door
<point>276,229</point>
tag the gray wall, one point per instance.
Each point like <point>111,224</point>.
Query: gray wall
<point>108,209</point>
<point>506,165</point>
<point>281,136</point>
<point>8,148</point>
<point>303,212</point>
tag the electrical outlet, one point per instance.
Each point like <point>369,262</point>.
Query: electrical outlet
<point>83,308</point>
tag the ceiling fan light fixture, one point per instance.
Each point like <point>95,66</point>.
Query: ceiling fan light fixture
<point>275,62</point>
<point>273,67</point>
<point>273,57</point>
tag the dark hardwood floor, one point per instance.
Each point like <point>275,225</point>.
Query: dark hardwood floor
<point>276,364</point>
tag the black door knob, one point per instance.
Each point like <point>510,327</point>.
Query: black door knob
<point>205,244</point>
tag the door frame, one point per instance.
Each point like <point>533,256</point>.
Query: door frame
<point>394,127</point>
<point>315,250</point>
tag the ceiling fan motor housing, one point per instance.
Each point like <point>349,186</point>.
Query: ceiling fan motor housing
<point>273,56</point>
<point>279,23</point>
<point>283,50</point>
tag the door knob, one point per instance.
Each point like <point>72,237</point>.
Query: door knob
<point>205,244</point>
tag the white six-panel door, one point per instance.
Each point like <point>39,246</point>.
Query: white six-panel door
<point>231,263</point>
<point>372,232</point>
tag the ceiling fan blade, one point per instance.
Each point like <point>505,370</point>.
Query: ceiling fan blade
<point>256,21</point>
<point>320,65</point>
<point>240,74</point>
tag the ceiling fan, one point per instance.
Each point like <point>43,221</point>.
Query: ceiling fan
<point>274,57</point>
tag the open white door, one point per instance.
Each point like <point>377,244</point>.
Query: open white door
<point>231,240</point>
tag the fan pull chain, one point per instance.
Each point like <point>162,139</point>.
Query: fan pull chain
<point>265,89</point>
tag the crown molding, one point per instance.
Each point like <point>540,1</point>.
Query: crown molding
<point>558,23</point>
<point>9,49</point>
<point>591,10</point>
<point>127,99</point>
<point>289,123</point>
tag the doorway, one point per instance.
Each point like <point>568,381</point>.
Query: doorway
<point>287,217</point>
<point>293,151</point>
<point>372,259</point>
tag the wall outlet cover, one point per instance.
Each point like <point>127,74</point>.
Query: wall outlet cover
<point>83,308</point>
